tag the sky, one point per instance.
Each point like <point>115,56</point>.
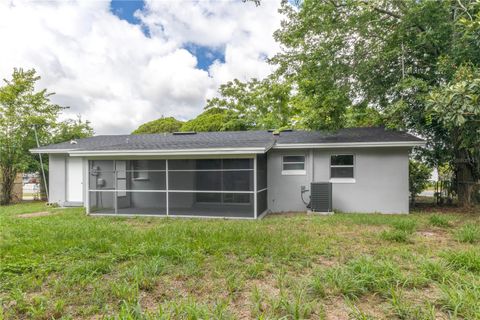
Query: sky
<point>119,64</point>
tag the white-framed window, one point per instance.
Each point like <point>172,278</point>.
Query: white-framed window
<point>293,165</point>
<point>140,169</point>
<point>342,168</point>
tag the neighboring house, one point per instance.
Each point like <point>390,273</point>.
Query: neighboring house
<point>231,174</point>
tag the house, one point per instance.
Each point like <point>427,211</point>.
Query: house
<point>231,174</point>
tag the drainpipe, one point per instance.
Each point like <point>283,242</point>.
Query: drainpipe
<point>312,167</point>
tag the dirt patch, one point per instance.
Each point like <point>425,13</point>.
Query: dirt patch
<point>36,214</point>
<point>335,309</point>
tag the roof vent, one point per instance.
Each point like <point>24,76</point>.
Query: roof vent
<point>73,141</point>
<point>185,133</point>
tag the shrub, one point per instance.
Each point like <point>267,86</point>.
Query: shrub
<point>419,174</point>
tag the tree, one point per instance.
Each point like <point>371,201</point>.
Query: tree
<point>164,124</point>
<point>419,174</point>
<point>67,130</point>
<point>384,55</point>
<point>71,129</point>
<point>21,108</point>
<point>215,119</point>
<point>457,105</point>
<point>261,104</point>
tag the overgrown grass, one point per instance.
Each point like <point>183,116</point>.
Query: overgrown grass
<point>439,221</point>
<point>351,265</point>
<point>469,233</point>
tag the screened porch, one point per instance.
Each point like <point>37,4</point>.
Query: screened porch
<point>230,188</point>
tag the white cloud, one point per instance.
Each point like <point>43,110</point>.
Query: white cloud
<point>108,71</point>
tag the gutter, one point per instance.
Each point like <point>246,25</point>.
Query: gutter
<point>349,145</point>
<point>172,152</point>
<point>216,151</point>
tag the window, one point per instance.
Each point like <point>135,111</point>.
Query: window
<point>140,168</point>
<point>121,167</point>
<point>341,167</point>
<point>293,165</point>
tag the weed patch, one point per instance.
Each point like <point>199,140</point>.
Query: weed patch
<point>469,233</point>
<point>439,221</point>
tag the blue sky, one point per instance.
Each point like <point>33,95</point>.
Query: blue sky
<point>119,71</point>
<point>125,10</point>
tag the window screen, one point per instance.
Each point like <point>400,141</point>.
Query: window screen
<point>293,163</point>
<point>140,168</point>
<point>341,166</point>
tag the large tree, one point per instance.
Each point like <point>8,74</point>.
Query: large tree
<point>261,104</point>
<point>23,109</point>
<point>457,105</point>
<point>387,55</point>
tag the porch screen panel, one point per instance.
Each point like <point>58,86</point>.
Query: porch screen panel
<point>211,187</point>
<point>230,205</point>
<point>145,203</point>
<point>261,171</point>
<point>101,202</point>
<point>262,204</point>
<point>262,184</point>
<point>196,187</point>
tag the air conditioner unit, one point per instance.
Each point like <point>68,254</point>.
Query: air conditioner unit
<point>321,197</point>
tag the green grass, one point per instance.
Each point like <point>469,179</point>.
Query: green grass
<point>439,221</point>
<point>71,266</point>
<point>469,233</point>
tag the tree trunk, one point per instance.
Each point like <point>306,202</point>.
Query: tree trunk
<point>466,184</point>
<point>6,182</point>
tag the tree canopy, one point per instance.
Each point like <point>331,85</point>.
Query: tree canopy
<point>22,110</point>
<point>163,124</point>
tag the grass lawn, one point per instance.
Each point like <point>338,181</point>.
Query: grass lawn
<point>344,266</point>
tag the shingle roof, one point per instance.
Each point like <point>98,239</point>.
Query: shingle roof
<point>231,139</point>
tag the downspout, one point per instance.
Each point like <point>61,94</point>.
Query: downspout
<point>41,164</point>
<point>312,166</point>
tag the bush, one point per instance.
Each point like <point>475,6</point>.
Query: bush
<point>419,174</point>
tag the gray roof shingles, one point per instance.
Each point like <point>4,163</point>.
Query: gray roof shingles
<point>230,139</point>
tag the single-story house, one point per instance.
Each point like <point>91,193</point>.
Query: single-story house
<point>232,174</point>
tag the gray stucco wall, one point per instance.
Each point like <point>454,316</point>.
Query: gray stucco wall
<point>56,178</point>
<point>381,180</point>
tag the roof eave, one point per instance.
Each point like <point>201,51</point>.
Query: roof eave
<point>181,152</point>
<point>47,151</point>
<point>349,145</point>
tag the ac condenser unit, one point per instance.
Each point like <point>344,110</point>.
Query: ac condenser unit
<point>321,197</point>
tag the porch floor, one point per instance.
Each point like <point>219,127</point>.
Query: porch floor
<point>204,211</point>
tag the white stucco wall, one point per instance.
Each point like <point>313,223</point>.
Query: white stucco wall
<point>56,178</point>
<point>381,180</point>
